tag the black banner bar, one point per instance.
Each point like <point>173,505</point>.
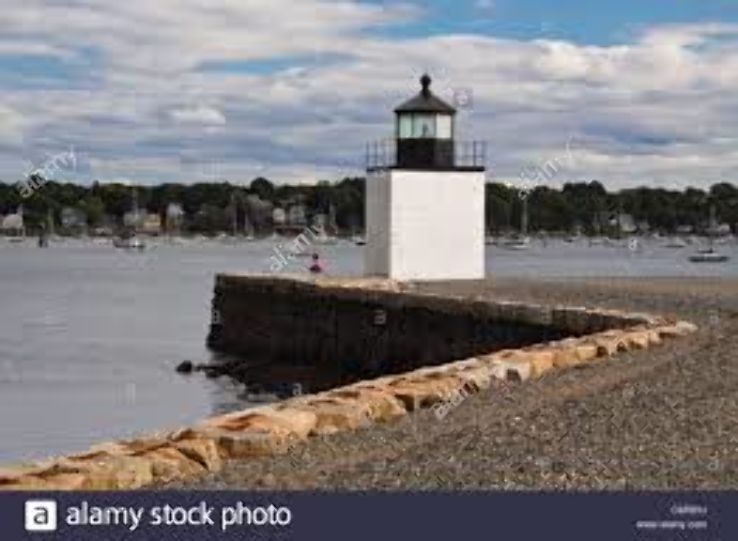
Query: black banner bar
<point>357,516</point>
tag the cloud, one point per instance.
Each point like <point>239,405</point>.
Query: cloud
<point>186,90</point>
<point>11,124</point>
<point>203,115</point>
<point>484,4</point>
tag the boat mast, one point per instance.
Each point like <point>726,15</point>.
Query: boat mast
<point>50,223</point>
<point>332,219</point>
<point>134,203</point>
<point>234,214</point>
<point>712,227</point>
<point>524,218</point>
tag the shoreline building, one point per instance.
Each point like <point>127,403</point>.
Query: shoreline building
<point>425,194</point>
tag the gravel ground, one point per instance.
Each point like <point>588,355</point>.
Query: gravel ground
<point>663,418</point>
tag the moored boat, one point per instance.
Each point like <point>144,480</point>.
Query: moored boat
<point>129,243</point>
<point>517,243</point>
<point>709,255</point>
<point>675,242</point>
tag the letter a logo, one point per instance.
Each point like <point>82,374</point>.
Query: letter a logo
<point>40,516</point>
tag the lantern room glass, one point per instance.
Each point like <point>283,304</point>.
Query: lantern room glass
<point>424,126</point>
<point>405,126</point>
<point>444,127</point>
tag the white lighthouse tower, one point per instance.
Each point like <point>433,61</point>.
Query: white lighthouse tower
<point>425,197</point>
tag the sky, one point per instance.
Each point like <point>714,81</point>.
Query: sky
<point>630,93</point>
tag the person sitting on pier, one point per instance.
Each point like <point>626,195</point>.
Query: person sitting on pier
<point>317,266</point>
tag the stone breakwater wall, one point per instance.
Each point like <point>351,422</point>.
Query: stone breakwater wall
<point>370,327</point>
<point>275,429</point>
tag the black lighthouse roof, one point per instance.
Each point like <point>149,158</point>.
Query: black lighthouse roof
<point>425,101</point>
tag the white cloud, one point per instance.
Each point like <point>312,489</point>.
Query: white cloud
<point>657,109</point>
<point>198,115</point>
<point>11,125</point>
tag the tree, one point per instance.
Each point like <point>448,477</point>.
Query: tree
<point>263,188</point>
<point>95,210</point>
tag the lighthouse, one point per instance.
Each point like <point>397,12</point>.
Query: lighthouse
<point>425,196</point>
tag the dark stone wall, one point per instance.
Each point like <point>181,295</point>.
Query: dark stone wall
<point>358,331</point>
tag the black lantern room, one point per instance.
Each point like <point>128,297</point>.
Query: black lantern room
<point>424,128</point>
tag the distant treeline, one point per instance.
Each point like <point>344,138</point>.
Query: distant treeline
<point>210,207</point>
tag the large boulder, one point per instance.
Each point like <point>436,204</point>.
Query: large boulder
<point>382,405</point>
<point>97,472</point>
<point>417,391</point>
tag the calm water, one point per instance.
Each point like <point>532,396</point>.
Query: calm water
<point>90,335</point>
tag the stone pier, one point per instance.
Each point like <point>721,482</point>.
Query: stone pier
<point>445,347</point>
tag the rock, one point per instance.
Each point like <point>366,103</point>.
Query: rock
<point>509,365</point>
<point>61,481</point>
<point>185,367</point>
<point>473,373</point>
<point>608,343</point>
<point>170,464</point>
<point>251,441</point>
<point>686,327</point>
<point>565,355</point>
<point>679,329</point>
<point>298,422</point>
<point>475,378</point>
<point>422,391</point>
<point>382,405</point>
<point>586,350</point>
<point>511,370</point>
<point>103,472</point>
<point>22,476</point>
<point>124,447</point>
<point>637,339</point>
<point>203,451</point>
<point>573,352</point>
<point>335,414</point>
<point>654,338</point>
<point>639,318</point>
<point>541,360</point>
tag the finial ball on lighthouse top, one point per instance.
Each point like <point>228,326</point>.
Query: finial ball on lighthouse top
<point>425,81</point>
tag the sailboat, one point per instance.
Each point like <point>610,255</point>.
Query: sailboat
<point>130,241</point>
<point>520,241</point>
<point>248,229</point>
<point>47,230</point>
<point>323,238</point>
<point>709,254</point>
<point>675,242</point>
<point>234,222</point>
<point>358,239</point>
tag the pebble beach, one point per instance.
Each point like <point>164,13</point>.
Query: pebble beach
<point>663,418</point>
